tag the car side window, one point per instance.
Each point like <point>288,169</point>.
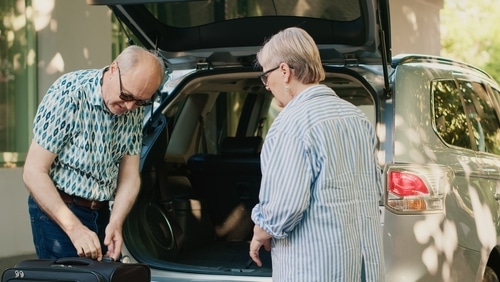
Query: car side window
<point>463,107</point>
<point>450,120</point>
<point>233,114</point>
<point>223,119</point>
<point>482,116</point>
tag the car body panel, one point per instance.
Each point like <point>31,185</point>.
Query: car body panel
<point>470,227</point>
<point>423,251</point>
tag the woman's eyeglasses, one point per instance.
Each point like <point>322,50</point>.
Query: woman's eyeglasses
<point>265,74</point>
<point>128,97</point>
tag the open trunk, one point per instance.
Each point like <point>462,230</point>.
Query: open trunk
<point>201,170</point>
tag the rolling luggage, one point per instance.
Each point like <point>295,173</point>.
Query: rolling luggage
<point>76,269</point>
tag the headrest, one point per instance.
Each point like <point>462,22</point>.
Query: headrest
<point>241,146</point>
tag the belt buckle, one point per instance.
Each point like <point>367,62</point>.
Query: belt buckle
<point>94,205</point>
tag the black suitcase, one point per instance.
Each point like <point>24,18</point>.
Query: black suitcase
<point>76,269</point>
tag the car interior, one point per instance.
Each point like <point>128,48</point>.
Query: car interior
<point>201,172</point>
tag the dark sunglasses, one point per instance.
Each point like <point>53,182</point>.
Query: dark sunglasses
<point>128,97</point>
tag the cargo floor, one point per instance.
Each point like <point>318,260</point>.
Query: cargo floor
<point>230,256</point>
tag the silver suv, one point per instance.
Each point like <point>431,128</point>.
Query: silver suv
<point>437,122</point>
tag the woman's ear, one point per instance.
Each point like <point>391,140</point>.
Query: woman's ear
<point>287,72</point>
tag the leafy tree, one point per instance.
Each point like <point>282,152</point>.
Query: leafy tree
<point>469,33</point>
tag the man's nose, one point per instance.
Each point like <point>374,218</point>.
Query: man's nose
<point>130,105</point>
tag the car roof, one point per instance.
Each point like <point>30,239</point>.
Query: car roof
<point>202,29</point>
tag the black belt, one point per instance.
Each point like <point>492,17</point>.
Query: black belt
<point>79,201</point>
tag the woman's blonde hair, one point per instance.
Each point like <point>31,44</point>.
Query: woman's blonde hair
<point>295,47</point>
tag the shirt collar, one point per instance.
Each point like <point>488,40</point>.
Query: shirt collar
<point>96,95</point>
<point>312,92</point>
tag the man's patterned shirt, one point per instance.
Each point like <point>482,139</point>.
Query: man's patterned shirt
<point>73,122</point>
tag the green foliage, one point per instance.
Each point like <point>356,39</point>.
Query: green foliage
<point>469,33</point>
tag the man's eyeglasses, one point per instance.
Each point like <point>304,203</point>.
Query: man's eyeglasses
<point>128,97</point>
<point>265,74</point>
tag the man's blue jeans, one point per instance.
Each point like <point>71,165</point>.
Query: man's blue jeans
<point>50,240</point>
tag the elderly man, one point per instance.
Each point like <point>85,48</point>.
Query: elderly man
<point>85,152</point>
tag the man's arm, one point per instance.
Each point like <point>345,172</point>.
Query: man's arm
<point>41,187</point>
<point>128,188</point>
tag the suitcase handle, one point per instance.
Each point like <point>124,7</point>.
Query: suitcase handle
<point>81,260</point>
<point>75,261</point>
<point>107,259</point>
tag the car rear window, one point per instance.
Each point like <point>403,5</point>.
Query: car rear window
<point>196,13</point>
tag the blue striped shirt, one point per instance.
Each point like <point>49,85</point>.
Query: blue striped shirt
<point>320,190</point>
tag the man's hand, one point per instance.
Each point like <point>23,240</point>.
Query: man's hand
<point>113,240</point>
<point>86,242</point>
<point>260,238</point>
<point>41,186</point>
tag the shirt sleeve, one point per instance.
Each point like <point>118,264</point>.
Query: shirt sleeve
<point>55,118</point>
<point>285,187</point>
<point>135,141</point>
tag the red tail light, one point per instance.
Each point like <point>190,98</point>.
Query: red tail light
<point>402,183</point>
<point>416,188</point>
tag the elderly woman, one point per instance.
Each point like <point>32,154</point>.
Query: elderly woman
<point>318,204</point>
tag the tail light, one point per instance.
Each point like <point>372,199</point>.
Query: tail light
<point>415,188</point>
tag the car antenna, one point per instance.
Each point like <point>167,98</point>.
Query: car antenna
<point>275,10</point>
